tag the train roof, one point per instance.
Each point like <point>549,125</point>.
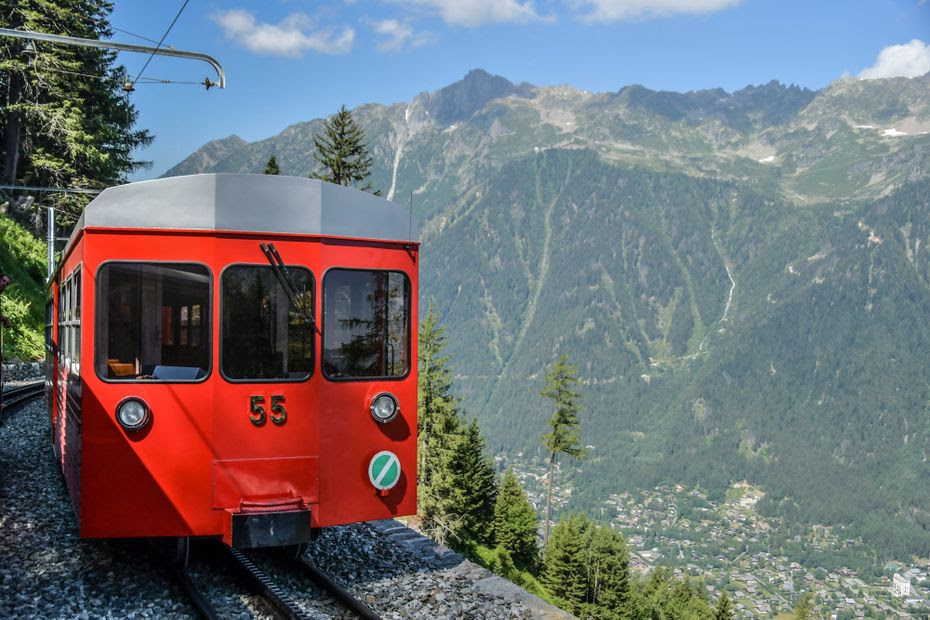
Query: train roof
<point>250,203</point>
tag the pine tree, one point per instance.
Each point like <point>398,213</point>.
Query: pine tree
<point>438,425</point>
<point>563,438</point>
<point>474,490</point>
<point>272,166</point>
<point>565,571</point>
<point>724,610</point>
<point>341,152</point>
<point>804,609</point>
<point>59,128</point>
<point>515,522</point>
<point>608,573</point>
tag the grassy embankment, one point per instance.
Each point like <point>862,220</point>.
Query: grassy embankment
<point>23,259</point>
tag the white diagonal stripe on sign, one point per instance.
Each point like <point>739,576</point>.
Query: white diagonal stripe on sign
<point>392,458</point>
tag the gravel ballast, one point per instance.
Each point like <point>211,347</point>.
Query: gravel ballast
<point>47,571</point>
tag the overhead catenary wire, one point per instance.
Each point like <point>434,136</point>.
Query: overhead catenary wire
<point>138,36</point>
<point>158,46</point>
<point>148,80</point>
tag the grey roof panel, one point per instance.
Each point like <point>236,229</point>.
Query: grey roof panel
<point>248,202</point>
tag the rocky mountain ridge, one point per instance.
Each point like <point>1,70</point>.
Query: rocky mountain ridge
<point>836,143</point>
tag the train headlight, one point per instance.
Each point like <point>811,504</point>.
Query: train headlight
<point>384,407</point>
<point>133,414</point>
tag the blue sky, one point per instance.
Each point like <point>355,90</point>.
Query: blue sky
<point>289,61</point>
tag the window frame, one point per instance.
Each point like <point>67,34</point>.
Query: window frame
<point>49,325</point>
<point>408,283</point>
<point>313,328</point>
<point>69,320</point>
<point>97,306</point>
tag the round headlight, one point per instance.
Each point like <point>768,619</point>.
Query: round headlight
<point>384,407</point>
<point>132,414</point>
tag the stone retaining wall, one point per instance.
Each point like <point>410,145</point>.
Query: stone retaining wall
<point>18,371</point>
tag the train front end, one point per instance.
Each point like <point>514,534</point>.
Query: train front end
<point>251,370</point>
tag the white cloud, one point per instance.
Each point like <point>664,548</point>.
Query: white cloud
<point>292,36</point>
<point>908,60</point>
<point>617,10</point>
<point>477,12</point>
<point>398,35</point>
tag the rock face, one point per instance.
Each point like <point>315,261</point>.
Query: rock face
<point>742,278</point>
<point>460,101</point>
<point>211,153</point>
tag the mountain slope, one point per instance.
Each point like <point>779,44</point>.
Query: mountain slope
<point>812,382</point>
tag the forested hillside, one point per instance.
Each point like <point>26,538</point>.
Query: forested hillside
<point>740,278</point>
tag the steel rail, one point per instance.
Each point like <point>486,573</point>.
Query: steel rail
<point>18,395</point>
<point>339,593</point>
<point>204,609</point>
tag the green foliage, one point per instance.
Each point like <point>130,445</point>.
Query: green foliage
<point>565,572</point>
<point>563,437</point>
<point>587,569</point>
<point>23,259</point>
<point>608,573</point>
<point>473,489</point>
<point>724,609</point>
<point>65,129</point>
<point>271,167</point>
<point>439,427</point>
<point>437,419</point>
<point>341,153</point>
<point>499,561</point>
<point>804,609</point>
<point>515,522</point>
<point>660,595</point>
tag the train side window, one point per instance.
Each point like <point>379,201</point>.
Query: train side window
<point>61,322</point>
<point>366,324</point>
<point>76,315</point>
<point>68,320</point>
<point>263,337</point>
<point>137,322</point>
<point>69,328</point>
<point>49,318</point>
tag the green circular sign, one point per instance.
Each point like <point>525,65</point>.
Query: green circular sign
<point>384,470</point>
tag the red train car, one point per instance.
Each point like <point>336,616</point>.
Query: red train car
<point>235,356</point>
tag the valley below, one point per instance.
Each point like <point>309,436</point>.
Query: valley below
<point>763,563</point>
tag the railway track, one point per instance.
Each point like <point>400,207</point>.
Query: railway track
<point>281,600</point>
<point>16,396</point>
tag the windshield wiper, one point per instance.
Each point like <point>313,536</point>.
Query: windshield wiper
<point>284,279</point>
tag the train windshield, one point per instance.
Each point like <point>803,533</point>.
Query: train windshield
<point>153,322</point>
<point>264,336</point>
<point>366,324</point>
